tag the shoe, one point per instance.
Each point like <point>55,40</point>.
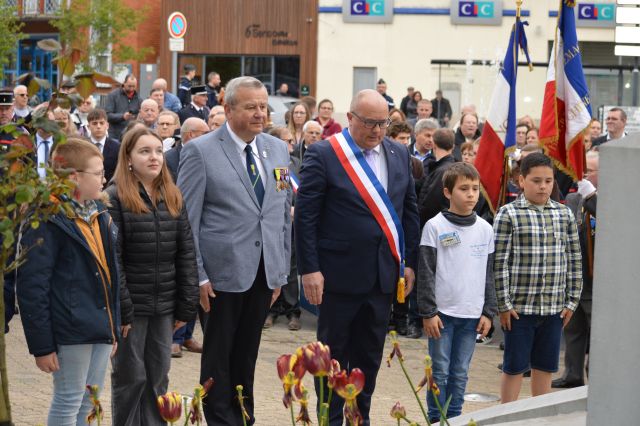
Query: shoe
<point>502,346</point>
<point>192,345</point>
<point>268,323</point>
<point>414,332</point>
<point>483,340</point>
<point>565,384</point>
<point>176,352</point>
<point>401,328</point>
<point>294,324</point>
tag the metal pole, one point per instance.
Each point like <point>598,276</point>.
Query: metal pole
<point>174,72</point>
<point>636,82</point>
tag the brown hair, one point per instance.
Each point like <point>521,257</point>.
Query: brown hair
<point>444,139</point>
<point>459,170</point>
<point>127,183</point>
<point>307,117</point>
<point>396,128</point>
<point>467,146</point>
<point>73,154</point>
<point>97,114</point>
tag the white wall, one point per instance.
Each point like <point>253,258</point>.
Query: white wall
<point>402,52</point>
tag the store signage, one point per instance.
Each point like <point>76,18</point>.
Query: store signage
<point>277,37</point>
<point>367,11</point>
<point>598,15</point>
<point>487,12</point>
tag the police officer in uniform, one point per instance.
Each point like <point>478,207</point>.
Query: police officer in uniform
<point>198,106</point>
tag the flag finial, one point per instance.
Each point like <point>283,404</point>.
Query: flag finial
<point>518,7</point>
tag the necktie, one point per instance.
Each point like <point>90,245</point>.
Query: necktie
<point>46,151</point>
<point>370,156</point>
<point>99,145</point>
<point>254,174</point>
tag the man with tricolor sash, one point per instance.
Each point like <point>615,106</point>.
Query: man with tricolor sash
<point>357,232</point>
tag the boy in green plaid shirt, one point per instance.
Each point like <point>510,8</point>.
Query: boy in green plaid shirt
<point>538,277</point>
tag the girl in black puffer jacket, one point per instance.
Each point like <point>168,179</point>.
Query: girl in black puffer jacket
<point>158,265</point>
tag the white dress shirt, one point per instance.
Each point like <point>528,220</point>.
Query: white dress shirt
<point>240,144</point>
<point>100,143</point>
<point>381,163</point>
<point>40,153</point>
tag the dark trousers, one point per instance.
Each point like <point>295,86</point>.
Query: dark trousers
<point>140,371</point>
<point>288,303</point>
<point>412,301</point>
<point>576,338</point>
<point>230,349</point>
<point>355,327</point>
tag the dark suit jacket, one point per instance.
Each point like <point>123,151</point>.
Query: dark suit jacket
<point>190,111</point>
<point>172,158</point>
<point>110,154</point>
<point>335,231</point>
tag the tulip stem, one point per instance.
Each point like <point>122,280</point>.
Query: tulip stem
<point>406,374</point>
<point>443,415</point>
<point>321,404</point>
<point>326,419</point>
<point>293,418</point>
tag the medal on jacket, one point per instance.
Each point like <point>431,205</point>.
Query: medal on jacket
<point>282,178</point>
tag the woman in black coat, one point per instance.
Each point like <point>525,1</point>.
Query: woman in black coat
<point>158,264</point>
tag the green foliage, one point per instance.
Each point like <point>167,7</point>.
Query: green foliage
<point>92,26</point>
<point>10,34</point>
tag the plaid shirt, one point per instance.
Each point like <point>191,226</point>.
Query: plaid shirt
<point>538,269</point>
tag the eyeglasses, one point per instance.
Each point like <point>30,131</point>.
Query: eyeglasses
<point>22,94</point>
<point>371,124</point>
<point>99,174</point>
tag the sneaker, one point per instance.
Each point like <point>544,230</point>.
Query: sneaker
<point>176,351</point>
<point>414,331</point>
<point>483,340</point>
<point>294,323</point>
<point>268,323</point>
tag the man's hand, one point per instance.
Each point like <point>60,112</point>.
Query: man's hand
<point>125,330</point>
<point>178,324</point>
<point>432,326</point>
<point>275,295</point>
<point>206,291</point>
<point>114,349</point>
<point>313,284</point>
<point>484,325</point>
<point>48,363</point>
<point>566,315</point>
<point>409,280</point>
<point>127,116</point>
<point>505,318</point>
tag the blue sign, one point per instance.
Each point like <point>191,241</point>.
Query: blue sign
<point>367,7</point>
<point>368,11</point>
<point>596,11</point>
<point>483,12</point>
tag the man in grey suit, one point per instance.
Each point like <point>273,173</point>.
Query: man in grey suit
<point>235,186</point>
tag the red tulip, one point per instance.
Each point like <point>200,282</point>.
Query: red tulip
<point>317,358</point>
<point>290,370</point>
<point>170,406</point>
<point>349,387</point>
<point>334,371</point>
<point>303,416</point>
<point>395,348</point>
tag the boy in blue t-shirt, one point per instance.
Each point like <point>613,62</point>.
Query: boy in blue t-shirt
<point>456,292</point>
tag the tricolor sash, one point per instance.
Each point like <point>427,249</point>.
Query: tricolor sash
<point>374,196</point>
<point>293,179</point>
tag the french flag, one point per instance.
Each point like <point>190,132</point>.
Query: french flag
<point>501,118</point>
<point>566,110</point>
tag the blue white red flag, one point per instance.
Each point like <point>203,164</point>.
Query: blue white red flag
<point>295,183</point>
<point>501,118</point>
<point>566,110</point>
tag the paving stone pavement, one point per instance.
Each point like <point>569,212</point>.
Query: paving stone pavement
<point>30,389</point>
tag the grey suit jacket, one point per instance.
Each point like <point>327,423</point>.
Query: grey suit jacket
<point>231,231</point>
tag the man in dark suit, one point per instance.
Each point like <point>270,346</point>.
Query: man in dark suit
<point>239,207</point>
<point>198,106</point>
<point>344,258</point>
<point>190,129</point>
<point>110,147</point>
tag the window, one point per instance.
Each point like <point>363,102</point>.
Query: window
<point>29,7</point>
<point>51,6</point>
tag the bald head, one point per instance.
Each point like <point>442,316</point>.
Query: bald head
<point>160,83</point>
<point>192,128</point>
<point>368,98</point>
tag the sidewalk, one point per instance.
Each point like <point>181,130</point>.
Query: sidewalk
<point>30,389</point>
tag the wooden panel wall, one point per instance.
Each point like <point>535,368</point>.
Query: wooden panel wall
<point>246,27</point>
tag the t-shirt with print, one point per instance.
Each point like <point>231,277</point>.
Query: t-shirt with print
<point>461,265</point>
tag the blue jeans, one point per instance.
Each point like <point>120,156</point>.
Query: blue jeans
<point>184,333</point>
<point>451,355</point>
<point>80,365</point>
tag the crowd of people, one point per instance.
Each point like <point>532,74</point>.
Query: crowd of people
<point>197,206</point>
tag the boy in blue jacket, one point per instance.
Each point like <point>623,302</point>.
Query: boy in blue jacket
<point>68,289</point>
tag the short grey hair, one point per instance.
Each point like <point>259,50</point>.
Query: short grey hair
<point>238,83</point>
<point>306,125</point>
<point>426,124</point>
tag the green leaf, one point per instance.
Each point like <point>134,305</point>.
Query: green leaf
<point>24,194</point>
<point>5,224</point>
<point>8,238</point>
